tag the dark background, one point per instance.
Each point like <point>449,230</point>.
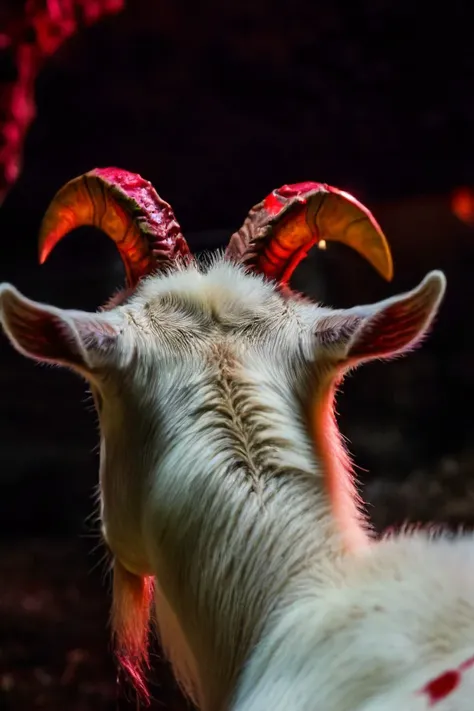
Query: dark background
<point>217,104</point>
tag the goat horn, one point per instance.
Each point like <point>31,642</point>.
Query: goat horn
<point>127,208</point>
<point>280,230</point>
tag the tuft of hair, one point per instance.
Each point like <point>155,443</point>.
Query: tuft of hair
<point>131,607</point>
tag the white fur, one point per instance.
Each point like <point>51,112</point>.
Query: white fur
<point>224,477</point>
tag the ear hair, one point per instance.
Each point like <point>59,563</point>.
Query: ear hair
<point>384,329</point>
<point>49,334</point>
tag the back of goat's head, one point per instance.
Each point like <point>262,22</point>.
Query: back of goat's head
<point>183,345</point>
<point>276,235</point>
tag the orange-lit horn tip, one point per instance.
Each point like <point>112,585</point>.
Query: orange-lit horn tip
<point>71,207</point>
<point>47,242</point>
<point>52,230</point>
<point>344,219</point>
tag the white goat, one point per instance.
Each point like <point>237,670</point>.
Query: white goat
<point>225,486</point>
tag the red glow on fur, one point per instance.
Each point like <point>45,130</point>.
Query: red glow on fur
<point>134,672</point>
<point>343,498</point>
<point>132,599</point>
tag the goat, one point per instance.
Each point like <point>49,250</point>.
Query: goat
<point>227,496</point>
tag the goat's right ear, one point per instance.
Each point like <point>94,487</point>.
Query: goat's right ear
<point>48,334</point>
<point>385,329</point>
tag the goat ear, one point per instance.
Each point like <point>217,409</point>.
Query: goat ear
<point>48,334</point>
<point>387,328</point>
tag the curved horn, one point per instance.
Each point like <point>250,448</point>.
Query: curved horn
<point>127,208</point>
<point>280,230</point>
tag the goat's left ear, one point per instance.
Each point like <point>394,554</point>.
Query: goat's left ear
<point>48,334</point>
<point>385,329</point>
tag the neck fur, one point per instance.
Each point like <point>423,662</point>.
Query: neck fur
<point>284,533</point>
<point>338,472</point>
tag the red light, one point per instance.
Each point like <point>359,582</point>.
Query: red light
<point>462,204</point>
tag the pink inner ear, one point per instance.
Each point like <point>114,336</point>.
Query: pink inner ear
<point>39,331</point>
<point>44,335</point>
<point>395,328</point>
<point>49,334</point>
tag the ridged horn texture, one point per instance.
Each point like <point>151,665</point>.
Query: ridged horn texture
<point>128,209</point>
<point>278,232</point>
